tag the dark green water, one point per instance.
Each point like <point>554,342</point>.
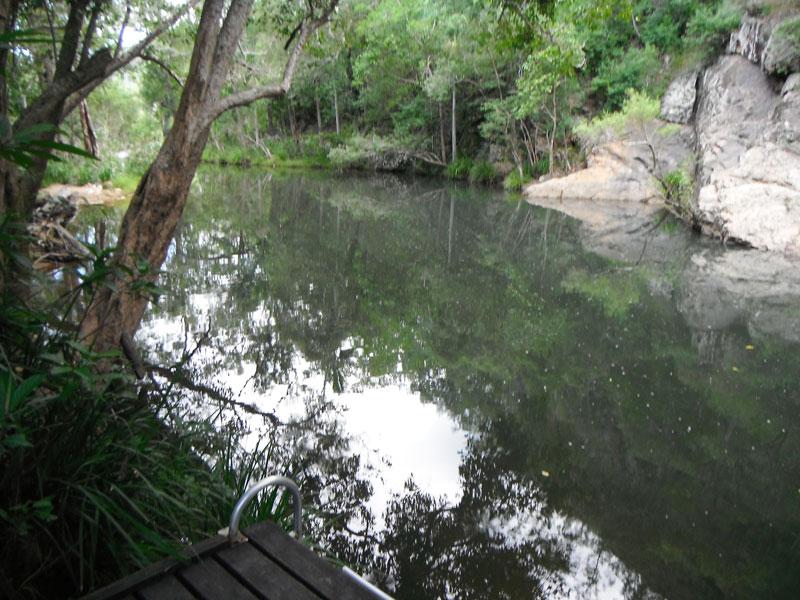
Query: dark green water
<point>524,414</point>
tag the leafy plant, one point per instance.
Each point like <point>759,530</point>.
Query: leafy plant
<point>709,29</point>
<point>23,147</point>
<point>677,187</point>
<point>459,168</point>
<point>482,172</point>
<point>637,109</point>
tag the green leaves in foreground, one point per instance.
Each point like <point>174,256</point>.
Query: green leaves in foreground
<point>25,146</point>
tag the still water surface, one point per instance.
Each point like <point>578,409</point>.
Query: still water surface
<point>528,408</point>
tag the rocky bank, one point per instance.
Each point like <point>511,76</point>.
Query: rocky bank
<point>736,133</point>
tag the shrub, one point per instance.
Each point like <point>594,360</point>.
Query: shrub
<point>482,172</point>
<point>458,169</point>
<point>637,110</point>
<point>515,181</point>
<point>709,29</point>
<point>677,187</point>
<point>665,23</point>
<point>94,484</point>
<point>637,69</point>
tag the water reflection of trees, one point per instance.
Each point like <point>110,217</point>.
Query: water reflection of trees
<point>560,361</point>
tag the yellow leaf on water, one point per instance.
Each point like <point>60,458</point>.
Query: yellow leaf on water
<point>735,369</point>
<point>545,473</point>
<point>750,347</point>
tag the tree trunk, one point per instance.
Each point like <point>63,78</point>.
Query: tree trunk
<point>319,113</point>
<point>453,150</point>
<point>89,137</point>
<point>292,122</point>
<point>554,117</point>
<point>442,144</point>
<point>336,109</point>
<point>154,213</point>
<point>145,234</point>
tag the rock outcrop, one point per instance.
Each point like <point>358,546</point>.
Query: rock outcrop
<point>740,137</point>
<point>748,178</point>
<point>677,105</point>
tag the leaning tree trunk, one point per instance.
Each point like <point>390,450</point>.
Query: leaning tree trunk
<point>145,234</point>
<point>157,205</point>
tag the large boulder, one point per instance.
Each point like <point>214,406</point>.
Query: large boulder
<point>736,102</point>
<point>749,157</point>
<point>757,201</point>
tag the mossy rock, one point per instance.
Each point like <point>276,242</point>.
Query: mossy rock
<point>782,54</point>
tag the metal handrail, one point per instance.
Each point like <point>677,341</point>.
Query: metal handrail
<point>236,515</point>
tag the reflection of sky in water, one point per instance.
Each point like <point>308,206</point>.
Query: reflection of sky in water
<point>400,437</point>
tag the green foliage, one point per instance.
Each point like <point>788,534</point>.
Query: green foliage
<point>678,188</point>
<point>785,47</point>
<point>638,109</point>
<point>94,483</point>
<point>356,152</point>
<point>515,181</point>
<point>23,147</point>
<point>636,69</point>
<point>482,172</point>
<point>709,29</point>
<point>459,168</point>
<point>663,24</point>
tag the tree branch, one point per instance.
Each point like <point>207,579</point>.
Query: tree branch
<point>78,95</point>
<point>88,38</point>
<point>245,97</point>
<point>150,58</point>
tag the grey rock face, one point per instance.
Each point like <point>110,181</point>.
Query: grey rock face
<point>785,125</point>
<point>751,39</point>
<point>781,56</point>
<point>756,202</point>
<point>749,174</point>
<point>677,105</point>
<point>734,111</point>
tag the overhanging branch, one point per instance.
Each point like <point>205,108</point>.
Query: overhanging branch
<point>245,97</point>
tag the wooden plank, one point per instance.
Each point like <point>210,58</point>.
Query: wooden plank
<point>315,572</point>
<point>166,588</point>
<point>120,588</point>
<point>208,580</point>
<point>260,572</point>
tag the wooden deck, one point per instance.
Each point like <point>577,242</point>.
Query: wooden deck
<point>269,565</point>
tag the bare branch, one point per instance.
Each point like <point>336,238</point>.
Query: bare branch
<point>88,38</point>
<point>150,58</point>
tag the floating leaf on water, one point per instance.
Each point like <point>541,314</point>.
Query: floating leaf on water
<point>750,347</point>
<point>545,473</point>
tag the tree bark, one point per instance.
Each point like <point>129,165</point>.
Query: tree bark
<point>89,137</point>
<point>157,205</point>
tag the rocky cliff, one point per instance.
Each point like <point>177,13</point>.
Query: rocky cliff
<point>739,136</point>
